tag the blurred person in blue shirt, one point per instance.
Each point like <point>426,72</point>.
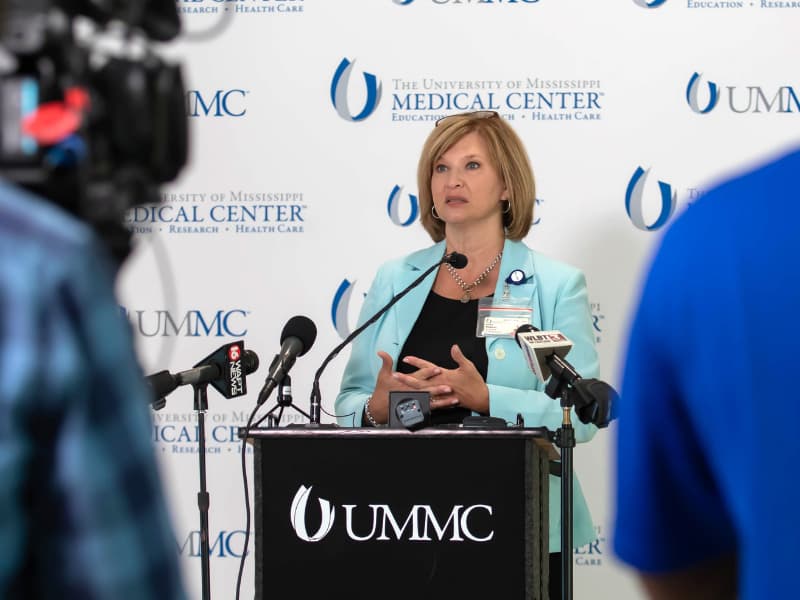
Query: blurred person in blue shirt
<point>82,511</point>
<point>707,432</point>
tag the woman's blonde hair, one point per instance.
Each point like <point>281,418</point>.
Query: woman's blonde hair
<point>508,156</point>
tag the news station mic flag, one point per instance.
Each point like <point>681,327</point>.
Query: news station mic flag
<point>225,369</point>
<point>538,346</point>
<point>595,401</point>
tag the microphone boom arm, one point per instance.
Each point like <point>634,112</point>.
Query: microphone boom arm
<point>316,396</point>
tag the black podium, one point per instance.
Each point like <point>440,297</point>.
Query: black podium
<point>379,513</point>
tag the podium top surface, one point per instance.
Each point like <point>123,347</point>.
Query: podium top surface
<point>335,431</point>
<point>540,435</point>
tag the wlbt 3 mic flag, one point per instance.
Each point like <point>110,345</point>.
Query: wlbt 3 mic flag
<point>595,401</point>
<point>539,346</point>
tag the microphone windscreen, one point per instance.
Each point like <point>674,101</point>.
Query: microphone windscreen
<point>523,329</point>
<point>302,328</point>
<point>456,260</point>
<point>162,383</point>
<point>250,362</point>
<point>595,402</point>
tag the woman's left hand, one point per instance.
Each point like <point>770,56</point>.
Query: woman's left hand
<point>469,388</point>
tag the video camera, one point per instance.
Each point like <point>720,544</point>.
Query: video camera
<point>91,117</point>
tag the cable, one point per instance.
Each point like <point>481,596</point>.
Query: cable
<point>246,500</point>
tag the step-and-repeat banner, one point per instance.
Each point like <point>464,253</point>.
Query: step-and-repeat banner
<point>307,118</point>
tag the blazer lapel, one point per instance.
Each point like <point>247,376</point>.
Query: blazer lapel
<point>516,255</point>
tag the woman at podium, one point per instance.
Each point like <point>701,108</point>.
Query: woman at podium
<point>453,335</point>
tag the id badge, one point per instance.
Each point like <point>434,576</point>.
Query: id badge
<point>503,318</point>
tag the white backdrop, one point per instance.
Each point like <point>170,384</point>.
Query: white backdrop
<point>301,183</point>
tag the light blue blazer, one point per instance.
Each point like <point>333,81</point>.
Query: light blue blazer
<point>557,294</point>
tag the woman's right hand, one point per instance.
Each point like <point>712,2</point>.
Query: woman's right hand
<point>385,383</point>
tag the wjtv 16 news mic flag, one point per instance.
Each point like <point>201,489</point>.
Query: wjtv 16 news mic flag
<point>226,369</point>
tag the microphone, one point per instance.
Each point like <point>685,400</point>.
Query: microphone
<point>545,352</point>
<point>285,391</point>
<point>225,369</point>
<point>455,259</point>
<point>161,384</point>
<point>594,400</point>
<point>297,337</point>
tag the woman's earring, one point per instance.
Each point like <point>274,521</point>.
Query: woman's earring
<point>433,212</point>
<point>507,208</point>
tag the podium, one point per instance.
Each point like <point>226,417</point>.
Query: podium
<point>384,513</point>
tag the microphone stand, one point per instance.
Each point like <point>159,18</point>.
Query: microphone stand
<point>284,400</point>
<point>203,498</point>
<point>316,396</point>
<point>564,437</point>
<point>566,385</point>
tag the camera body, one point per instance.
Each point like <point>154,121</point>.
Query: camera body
<point>94,127</point>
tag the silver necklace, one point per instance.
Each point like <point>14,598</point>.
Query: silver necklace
<point>468,287</point>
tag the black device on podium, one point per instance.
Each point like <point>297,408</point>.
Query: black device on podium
<point>387,513</point>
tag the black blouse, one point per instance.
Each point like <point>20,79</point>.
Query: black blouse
<point>442,323</point>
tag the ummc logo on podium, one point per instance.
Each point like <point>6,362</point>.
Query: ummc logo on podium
<point>340,87</point>
<point>650,3</point>
<point>298,515</point>
<point>419,525</point>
